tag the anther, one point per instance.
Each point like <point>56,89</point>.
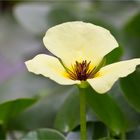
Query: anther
<point>81,71</point>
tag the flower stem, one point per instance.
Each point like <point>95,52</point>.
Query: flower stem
<point>123,137</point>
<point>83,130</point>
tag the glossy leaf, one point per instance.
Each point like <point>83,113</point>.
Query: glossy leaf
<point>68,115</point>
<point>12,108</point>
<point>48,107</point>
<point>44,134</point>
<point>114,55</point>
<point>131,89</point>
<point>107,110</point>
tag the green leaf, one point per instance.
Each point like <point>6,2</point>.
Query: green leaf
<point>132,117</point>
<point>114,55</point>
<point>75,134</point>
<point>68,115</point>
<point>131,34</point>
<point>107,138</point>
<point>12,108</point>
<point>131,89</point>
<point>48,107</point>
<point>99,130</point>
<point>44,134</point>
<point>107,110</point>
<point>132,27</point>
<point>2,132</point>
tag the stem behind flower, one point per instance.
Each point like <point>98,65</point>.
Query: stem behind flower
<point>83,130</point>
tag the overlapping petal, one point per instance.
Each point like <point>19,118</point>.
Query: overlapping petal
<point>109,74</point>
<point>50,67</point>
<point>78,41</point>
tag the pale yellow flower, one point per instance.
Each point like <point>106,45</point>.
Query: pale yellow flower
<point>80,48</point>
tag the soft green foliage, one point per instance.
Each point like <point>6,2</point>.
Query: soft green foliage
<point>22,116</point>
<point>68,115</point>
<point>10,109</point>
<point>106,138</point>
<point>107,110</point>
<point>99,130</point>
<point>2,132</point>
<point>131,89</point>
<point>44,134</point>
<point>132,27</point>
<point>132,35</point>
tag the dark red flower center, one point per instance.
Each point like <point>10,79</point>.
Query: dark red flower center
<point>81,71</point>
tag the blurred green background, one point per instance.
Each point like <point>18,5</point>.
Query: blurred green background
<point>23,24</point>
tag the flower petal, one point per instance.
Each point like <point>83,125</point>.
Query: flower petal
<point>50,67</point>
<point>78,41</point>
<point>109,74</point>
